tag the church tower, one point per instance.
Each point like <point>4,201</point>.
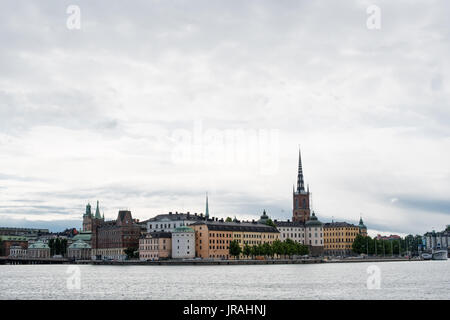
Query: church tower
<point>301,209</point>
<point>87,219</point>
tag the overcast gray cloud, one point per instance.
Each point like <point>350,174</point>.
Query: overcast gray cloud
<point>152,103</point>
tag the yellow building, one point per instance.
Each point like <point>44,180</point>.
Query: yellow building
<point>213,237</point>
<point>339,236</point>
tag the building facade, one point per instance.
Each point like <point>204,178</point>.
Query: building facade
<point>291,230</point>
<point>213,237</point>
<point>79,250</point>
<point>314,235</point>
<point>339,237</point>
<point>183,243</point>
<point>155,246</point>
<point>437,240</point>
<point>110,239</point>
<point>38,249</point>
<point>9,242</point>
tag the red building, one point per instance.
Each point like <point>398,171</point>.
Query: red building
<point>110,239</point>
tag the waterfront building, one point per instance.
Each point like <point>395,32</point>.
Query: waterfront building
<point>301,197</point>
<point>168,222</point>
<point>79,250</point>
<point>213,237</point>
<point>437,240</point>
<point>110,239</point>
<point>7,242</point>
<point>314,235</point>
<point>17,252</point>
<point>339,237</point>
<point>293,230</point>
<point>155,246</point>
<point>183,242</point>
<point>38,249</point>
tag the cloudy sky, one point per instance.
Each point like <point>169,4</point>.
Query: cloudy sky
<point>151,104</point>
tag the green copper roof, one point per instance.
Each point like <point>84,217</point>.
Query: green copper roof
<point>13,238</point>
<point>97,212</point>
<point>313,221</point>
<point>183,229</point>
<point>88,211</point>
<point>86,236</point>
<point>39,245</point>
<point>80,244</point>
<point>361,224</point>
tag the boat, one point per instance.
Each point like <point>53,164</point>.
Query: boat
<point>427,256</point>
<point>440,255</point>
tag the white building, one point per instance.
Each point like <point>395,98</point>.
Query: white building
<point>17,252</point>
<point>183,243</point>
<point>314,235</point>
<point>438,240</point>
<point>291,230</point>
<point>168,222</point>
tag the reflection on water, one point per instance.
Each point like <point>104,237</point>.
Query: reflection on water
<point>399,280</point>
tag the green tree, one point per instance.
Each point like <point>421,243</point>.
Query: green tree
<point>267,249</point>
<point>228,219</point>
<point>235,249</point>
<point>247,250</point>
<point>63,247</point>
<point>269,222</point>
<point>131,252</point>
<point>51,244</point>
<point>277,247</point>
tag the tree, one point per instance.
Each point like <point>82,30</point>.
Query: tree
<point>228,219</point>
<point>131,252</point>
<point>269,222</point>
<point>277,247</point>
<point>267,249</point>
<point>235,248</point>
<point>247,250</point>
<point>51,244</point>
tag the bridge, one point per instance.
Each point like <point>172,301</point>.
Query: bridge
<point>27,260</point>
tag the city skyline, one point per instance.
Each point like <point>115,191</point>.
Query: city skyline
<point>149,106</point>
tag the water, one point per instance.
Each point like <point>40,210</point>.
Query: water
<point>399,280</point>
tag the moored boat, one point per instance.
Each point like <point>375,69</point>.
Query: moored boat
<point>427,256</point>
<point>440,255</point>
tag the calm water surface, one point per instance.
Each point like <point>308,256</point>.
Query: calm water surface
<point>399,280</point>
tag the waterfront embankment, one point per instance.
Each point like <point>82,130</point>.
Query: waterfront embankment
<point>9,260</point>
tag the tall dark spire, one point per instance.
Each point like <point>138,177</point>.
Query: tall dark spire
<point>300,182</point>
<point>207,208</point>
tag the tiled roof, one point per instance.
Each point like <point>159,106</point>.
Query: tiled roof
<point>237,226</point>
<point>338,225</point>
<point>289,224</point>
<point>177,216</point>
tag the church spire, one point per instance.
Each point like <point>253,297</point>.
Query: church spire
<point>300,182</point>
<point>97,212</point>
<point>207,209</point>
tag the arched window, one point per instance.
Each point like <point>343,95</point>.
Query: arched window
<point>304,204</point>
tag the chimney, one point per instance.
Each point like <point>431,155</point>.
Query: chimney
<point>195,214</point>
<point>170,212</point>
<point>217,219</point>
